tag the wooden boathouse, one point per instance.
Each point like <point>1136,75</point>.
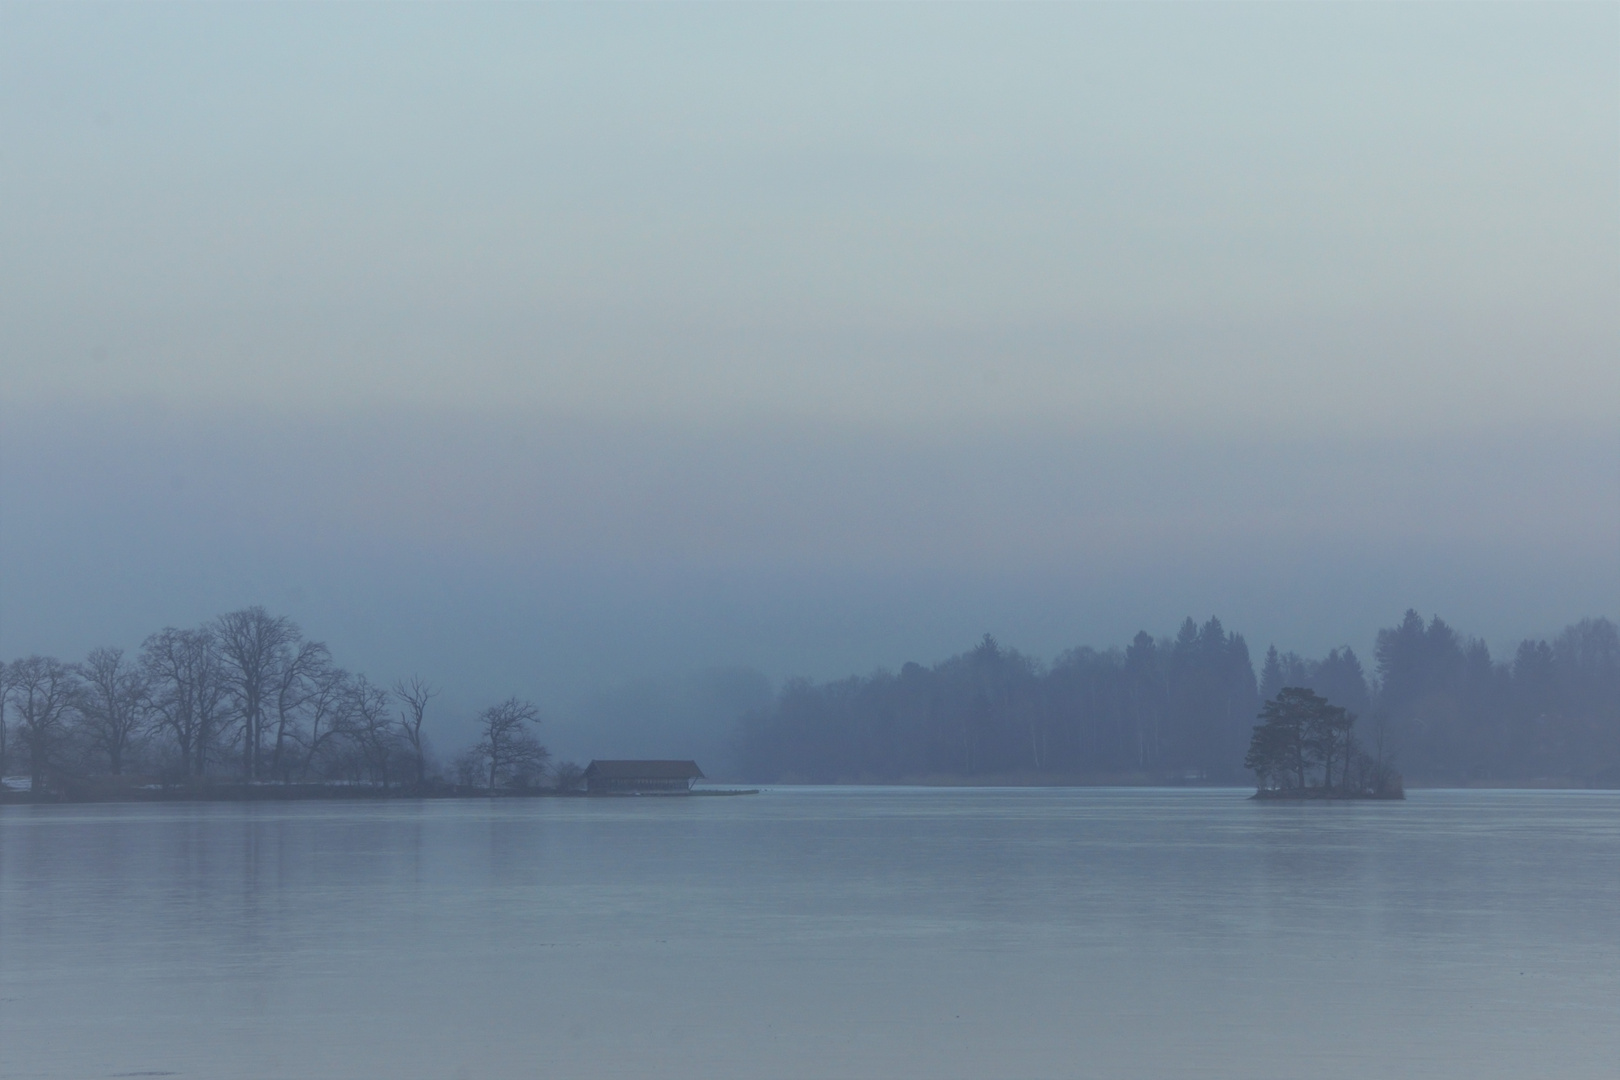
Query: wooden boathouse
<point>641,777</point>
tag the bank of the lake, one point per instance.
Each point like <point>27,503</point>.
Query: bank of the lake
<point>101,792</point>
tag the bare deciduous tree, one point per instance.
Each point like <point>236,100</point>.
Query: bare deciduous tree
<point>507,747</point>
<point>42,690</point>
<point>5,687</point>
<point>187,692</point>
<point>296,679</point>
<point>567,776</point>
<point>414,695</point>
<point>326,711</point>
<point>251,647</point>
<point>469,768</point>
<point>113,704</point>
<point>370,725</point>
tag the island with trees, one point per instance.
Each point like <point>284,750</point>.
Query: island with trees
<point>1306,748</point>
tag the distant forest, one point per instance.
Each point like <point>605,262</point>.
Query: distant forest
<point>246,699</point>
<point>1183,709</point>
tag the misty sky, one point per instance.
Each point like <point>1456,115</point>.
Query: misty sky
<point>543,348</point>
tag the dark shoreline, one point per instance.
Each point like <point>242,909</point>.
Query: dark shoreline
<point>321,793</point>
<point>1319,795</point>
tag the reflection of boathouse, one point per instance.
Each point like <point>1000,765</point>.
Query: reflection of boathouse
<point>641,777</point>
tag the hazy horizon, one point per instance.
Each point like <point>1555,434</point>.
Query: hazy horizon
<point>546,350</point>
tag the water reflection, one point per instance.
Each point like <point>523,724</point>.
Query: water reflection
<point>816,932</point>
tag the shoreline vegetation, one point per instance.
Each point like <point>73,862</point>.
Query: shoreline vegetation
<point>1396,794</point>
<point>245,707</point>
<point>1300,739</point>
<point>153,793</point>
<point>1167,709</point>
<point>156,793</point>
<point>150,792</point>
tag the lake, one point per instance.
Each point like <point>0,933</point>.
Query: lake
<point>816,932</point>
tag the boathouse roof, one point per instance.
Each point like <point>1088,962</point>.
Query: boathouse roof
<point>643,770</point>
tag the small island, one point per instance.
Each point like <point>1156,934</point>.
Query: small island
<point>1305,748</point>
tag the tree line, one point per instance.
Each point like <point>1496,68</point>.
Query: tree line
<point>1183,708</point>
<point>245,698</point>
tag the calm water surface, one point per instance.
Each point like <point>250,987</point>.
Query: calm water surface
<point>816,933</point>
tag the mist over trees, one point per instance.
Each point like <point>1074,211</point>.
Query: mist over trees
<point>1551,710</point>
<point>1175,707</point>
<point>1183,709</point>
<point>244,699</point>
<point>247,699</point>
